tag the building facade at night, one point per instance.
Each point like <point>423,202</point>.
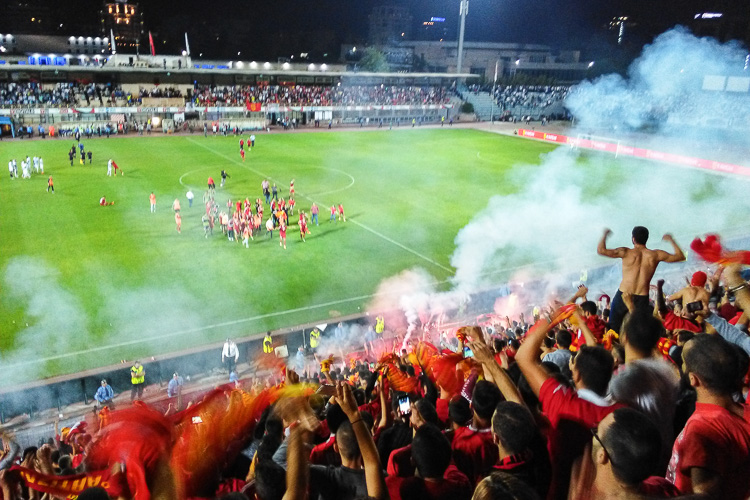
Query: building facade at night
<point>389,23</point>
<point>125,20</point>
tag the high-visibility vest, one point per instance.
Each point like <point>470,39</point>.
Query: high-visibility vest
<point>267,345</point>
<point>379,325</point>
<point>314,336</point>
<point>137,375</point>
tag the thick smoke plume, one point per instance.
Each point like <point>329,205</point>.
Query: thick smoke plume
<point>549,229</point>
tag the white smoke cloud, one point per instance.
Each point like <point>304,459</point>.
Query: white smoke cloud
<point>549,228</point>
<point>663,91</point>
<point>49,310</point>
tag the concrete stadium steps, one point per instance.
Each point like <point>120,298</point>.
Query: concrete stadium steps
<point>536,112</point>
<point>482,102</point>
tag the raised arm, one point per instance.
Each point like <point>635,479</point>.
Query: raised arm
<point>509,390</point>
<point>661,305</point>
<point>373,470</point>
<point>527,356</point>
<point>614,253</point>
<point>590,339</point>
<point>676,296</point>
<point>677,256</point>
<point>580,293</point>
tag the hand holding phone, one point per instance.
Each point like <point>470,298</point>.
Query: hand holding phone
<point>695,306</point>
<point>404,405</point>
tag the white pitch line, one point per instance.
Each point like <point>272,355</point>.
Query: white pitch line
<point>402,246</point>
<point>363,226</point>
<point>189,331</point>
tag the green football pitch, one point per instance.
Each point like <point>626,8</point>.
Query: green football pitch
<point>85,286</point>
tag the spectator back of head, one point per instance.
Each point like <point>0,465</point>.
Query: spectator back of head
<point>270,480</point>
<point>484,399</point>
<point>594,366</point>
<point>94,493</point>
<point>642,331</point>
<point>633,444</point>
<point>715,362</point>
<point>431,452</point>
<point>640,235</point>
<point>459,410</point>
<point>503,486</point>
<point>563,338</point>
<point>513,427</point>
<point>346,441</point>
<point>427,411</point>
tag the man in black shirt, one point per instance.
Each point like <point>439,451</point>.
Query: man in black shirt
<point>346,482</point>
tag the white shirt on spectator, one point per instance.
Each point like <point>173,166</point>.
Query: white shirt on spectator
<point>230,351</point>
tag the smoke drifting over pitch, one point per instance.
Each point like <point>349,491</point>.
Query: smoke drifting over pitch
<point>550,227</point>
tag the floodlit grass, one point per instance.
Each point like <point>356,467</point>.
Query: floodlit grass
<point>100,284</point>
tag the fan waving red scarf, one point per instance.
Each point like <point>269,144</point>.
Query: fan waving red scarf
<point>711,250</point>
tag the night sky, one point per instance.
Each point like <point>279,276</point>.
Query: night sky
<point>269,29</point>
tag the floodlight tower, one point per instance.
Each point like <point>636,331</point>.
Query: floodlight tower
<point>463,10</point>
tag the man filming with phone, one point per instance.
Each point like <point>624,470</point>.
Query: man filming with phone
<point>693,296</point>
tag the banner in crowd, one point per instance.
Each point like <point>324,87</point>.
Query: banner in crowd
<point>618,149</point>
<point>70,486</point>
<point>253,107</point>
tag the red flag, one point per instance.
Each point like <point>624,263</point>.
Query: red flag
<point>711,250</point>
<point>151,42</point>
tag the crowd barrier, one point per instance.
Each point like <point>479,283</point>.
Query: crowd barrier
<point>619,149</point>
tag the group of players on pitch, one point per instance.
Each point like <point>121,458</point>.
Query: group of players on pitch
<point>242,219</point>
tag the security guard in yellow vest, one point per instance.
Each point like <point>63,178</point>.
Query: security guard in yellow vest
<point>137,379</point>
<point>267,344</point>
<point>379,325</point>
<point>314,339</point>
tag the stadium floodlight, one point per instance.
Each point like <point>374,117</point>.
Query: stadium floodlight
<point>323,67</point>
<point>285,65</point>
<point>266,64</point>
<point>239,64</point>
<point>311,67</point>
<point>591,64</point>
<point>463,10</point>
<point>2,48</point>
<point>184,53</point>
<point>253,64</point>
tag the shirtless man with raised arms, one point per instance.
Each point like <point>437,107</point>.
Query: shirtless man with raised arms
<point>638,267</point>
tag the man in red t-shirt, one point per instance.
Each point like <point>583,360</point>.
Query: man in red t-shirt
<point>572,412</point>
<point>474,450</point>
<point>711,456</point>
<point>437,478</point>
<point>341,212</point>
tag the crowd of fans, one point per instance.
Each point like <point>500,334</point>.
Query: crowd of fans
<point>530,97</point>
<point>640,398</point>
<point>79,94</point>
<point>32,94</point>
<point>319,95</point>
